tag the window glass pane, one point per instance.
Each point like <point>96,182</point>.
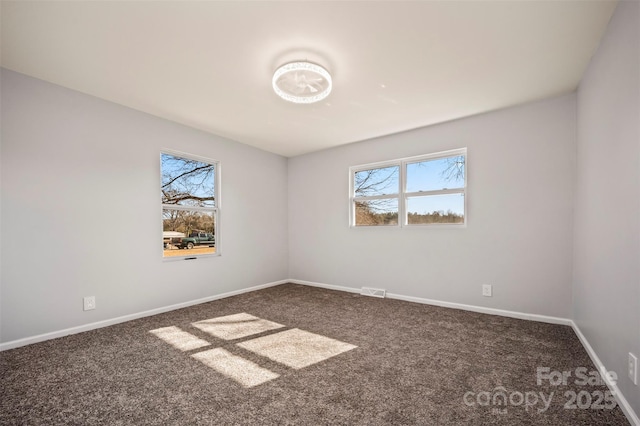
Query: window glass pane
<point>372,182</point>
<point>377,212</point>
<point>188,233</point>
<point>187,182</point>
<point>448,208</point>
<point>434,175</point>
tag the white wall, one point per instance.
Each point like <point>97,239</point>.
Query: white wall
<point>606,284</point>
<point>81,211</point>
<point>520,170</point>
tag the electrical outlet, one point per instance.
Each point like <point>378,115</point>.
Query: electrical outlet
<point>633,368</point>
<point>89,303</point>
<point>487,290</point>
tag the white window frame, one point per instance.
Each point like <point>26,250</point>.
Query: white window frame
<point>215,209</point>
<point>402,196</point>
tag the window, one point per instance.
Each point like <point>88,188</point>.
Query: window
<point>190,204</point>
<point>376,195</point>
<point>425,190</point>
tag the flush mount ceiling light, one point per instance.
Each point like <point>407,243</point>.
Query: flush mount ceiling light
<point>302,82</point>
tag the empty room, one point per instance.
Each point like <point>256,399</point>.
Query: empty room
<point>371,212</point>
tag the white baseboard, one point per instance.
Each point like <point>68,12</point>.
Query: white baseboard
<point>483,310</point>
<point>99,324</point>
<point>327,286</point>
<point>615,390</point>
<point>453,305</point>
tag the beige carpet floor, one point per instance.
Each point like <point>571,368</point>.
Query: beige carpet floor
<point>296,355</point>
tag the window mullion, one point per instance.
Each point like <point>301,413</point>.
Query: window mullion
<point>434,192</point>
<point>375,197</point>
<point>188,208</point>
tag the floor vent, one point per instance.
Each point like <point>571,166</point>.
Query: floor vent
<point>375,292</point>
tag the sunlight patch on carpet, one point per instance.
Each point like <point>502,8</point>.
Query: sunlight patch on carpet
<point>179,339</point>
<point>235,326</point>
<point>296,348</point>
<point>243,371</point>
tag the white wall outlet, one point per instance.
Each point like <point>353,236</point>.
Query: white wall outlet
<point>633,368</point>
<point>89,303</point>
<point>487,290</point>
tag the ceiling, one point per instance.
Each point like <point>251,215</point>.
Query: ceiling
<point>396,65</point>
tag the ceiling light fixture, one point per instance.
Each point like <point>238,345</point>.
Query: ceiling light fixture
<point>302,82</point>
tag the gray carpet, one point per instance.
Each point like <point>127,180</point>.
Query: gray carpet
<point>304,356</point>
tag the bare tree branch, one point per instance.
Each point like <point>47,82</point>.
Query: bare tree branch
<point>373,181</point>
<point>187,173</point>
<point>455,169</point>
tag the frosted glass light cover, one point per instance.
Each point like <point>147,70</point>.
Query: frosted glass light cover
<point>302,82</point>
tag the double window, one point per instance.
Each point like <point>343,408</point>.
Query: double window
<point>424,190</point>
<point>190,203</point>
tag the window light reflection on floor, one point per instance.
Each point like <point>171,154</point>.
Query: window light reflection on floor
<point>236,326</point>
<point>245,372</point>
<point>296,348</point>
<point>180,339</point>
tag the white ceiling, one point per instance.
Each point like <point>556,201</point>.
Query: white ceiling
<point>396,65</point>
